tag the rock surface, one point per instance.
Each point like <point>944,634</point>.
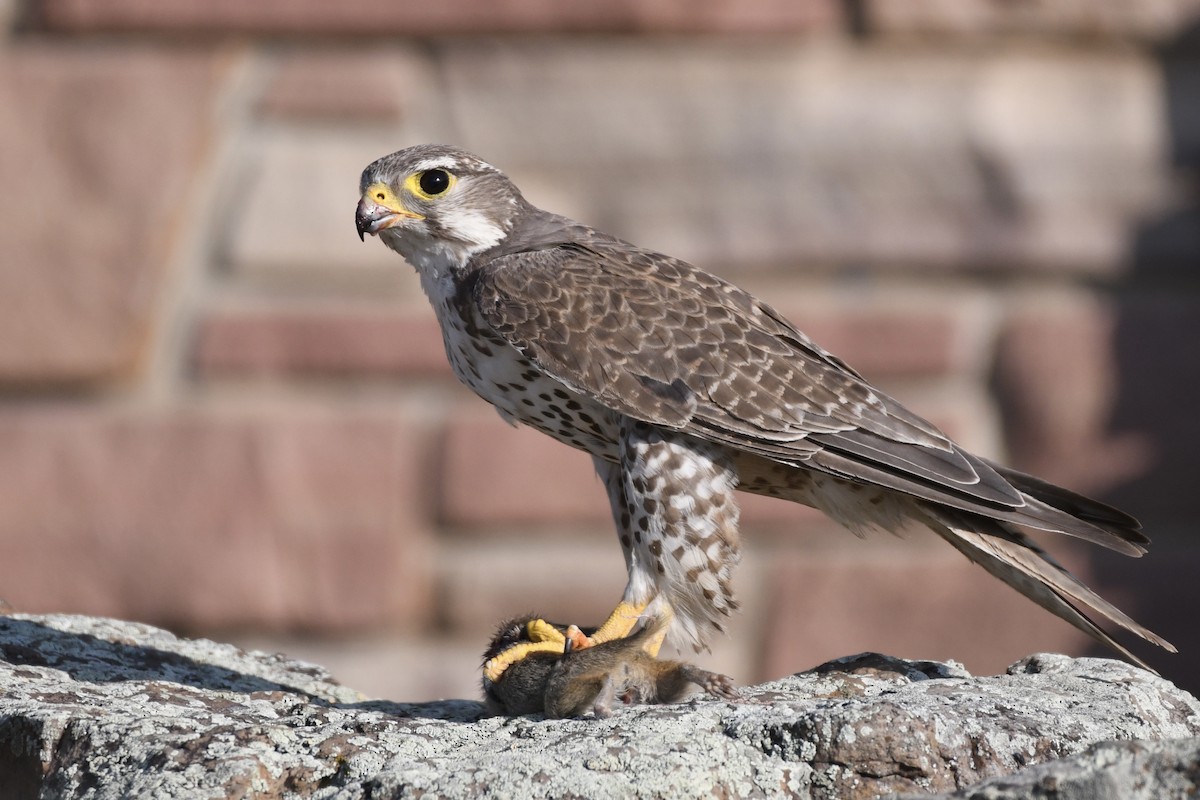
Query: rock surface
<point>96,708</point>
<point>1134,770</point>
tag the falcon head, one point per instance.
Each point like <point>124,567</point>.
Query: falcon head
<point>436,205</point>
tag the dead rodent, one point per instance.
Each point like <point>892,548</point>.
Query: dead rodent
<point>569,684</point>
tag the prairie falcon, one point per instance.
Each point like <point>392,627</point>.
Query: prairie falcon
<point>683,388</point>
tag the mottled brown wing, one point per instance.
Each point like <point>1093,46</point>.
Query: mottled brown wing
<point>658,340</point>
<point>663,342</point>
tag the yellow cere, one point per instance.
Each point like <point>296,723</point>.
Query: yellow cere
<point>382,194</point>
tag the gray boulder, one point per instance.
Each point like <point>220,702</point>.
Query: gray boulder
<point>95,708</point>
<point>1131,770</point>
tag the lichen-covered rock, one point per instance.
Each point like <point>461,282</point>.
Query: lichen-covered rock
<point>93,708</point>
<point>1136,770</point>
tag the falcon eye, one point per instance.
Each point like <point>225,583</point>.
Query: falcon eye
<point>429,184</point>
<point>434,181</point>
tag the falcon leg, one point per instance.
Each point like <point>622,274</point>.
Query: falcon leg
<point>619,623</point>
<point>623,620</point>
<point>672,500</point>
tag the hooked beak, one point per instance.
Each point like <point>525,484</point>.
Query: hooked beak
<point>372,217</point>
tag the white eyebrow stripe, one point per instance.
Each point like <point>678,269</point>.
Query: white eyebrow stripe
<point>436,163</point>
<point>450,164</point>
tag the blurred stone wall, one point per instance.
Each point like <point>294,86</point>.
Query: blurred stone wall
<point>220,412</point>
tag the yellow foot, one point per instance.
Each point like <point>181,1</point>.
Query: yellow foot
<point>622,620</point>
<point>542,638</point>
<point>619,623</point>
<point>655,642</point>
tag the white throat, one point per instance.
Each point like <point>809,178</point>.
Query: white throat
<point>434,256</point>
<point>438,261</point>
